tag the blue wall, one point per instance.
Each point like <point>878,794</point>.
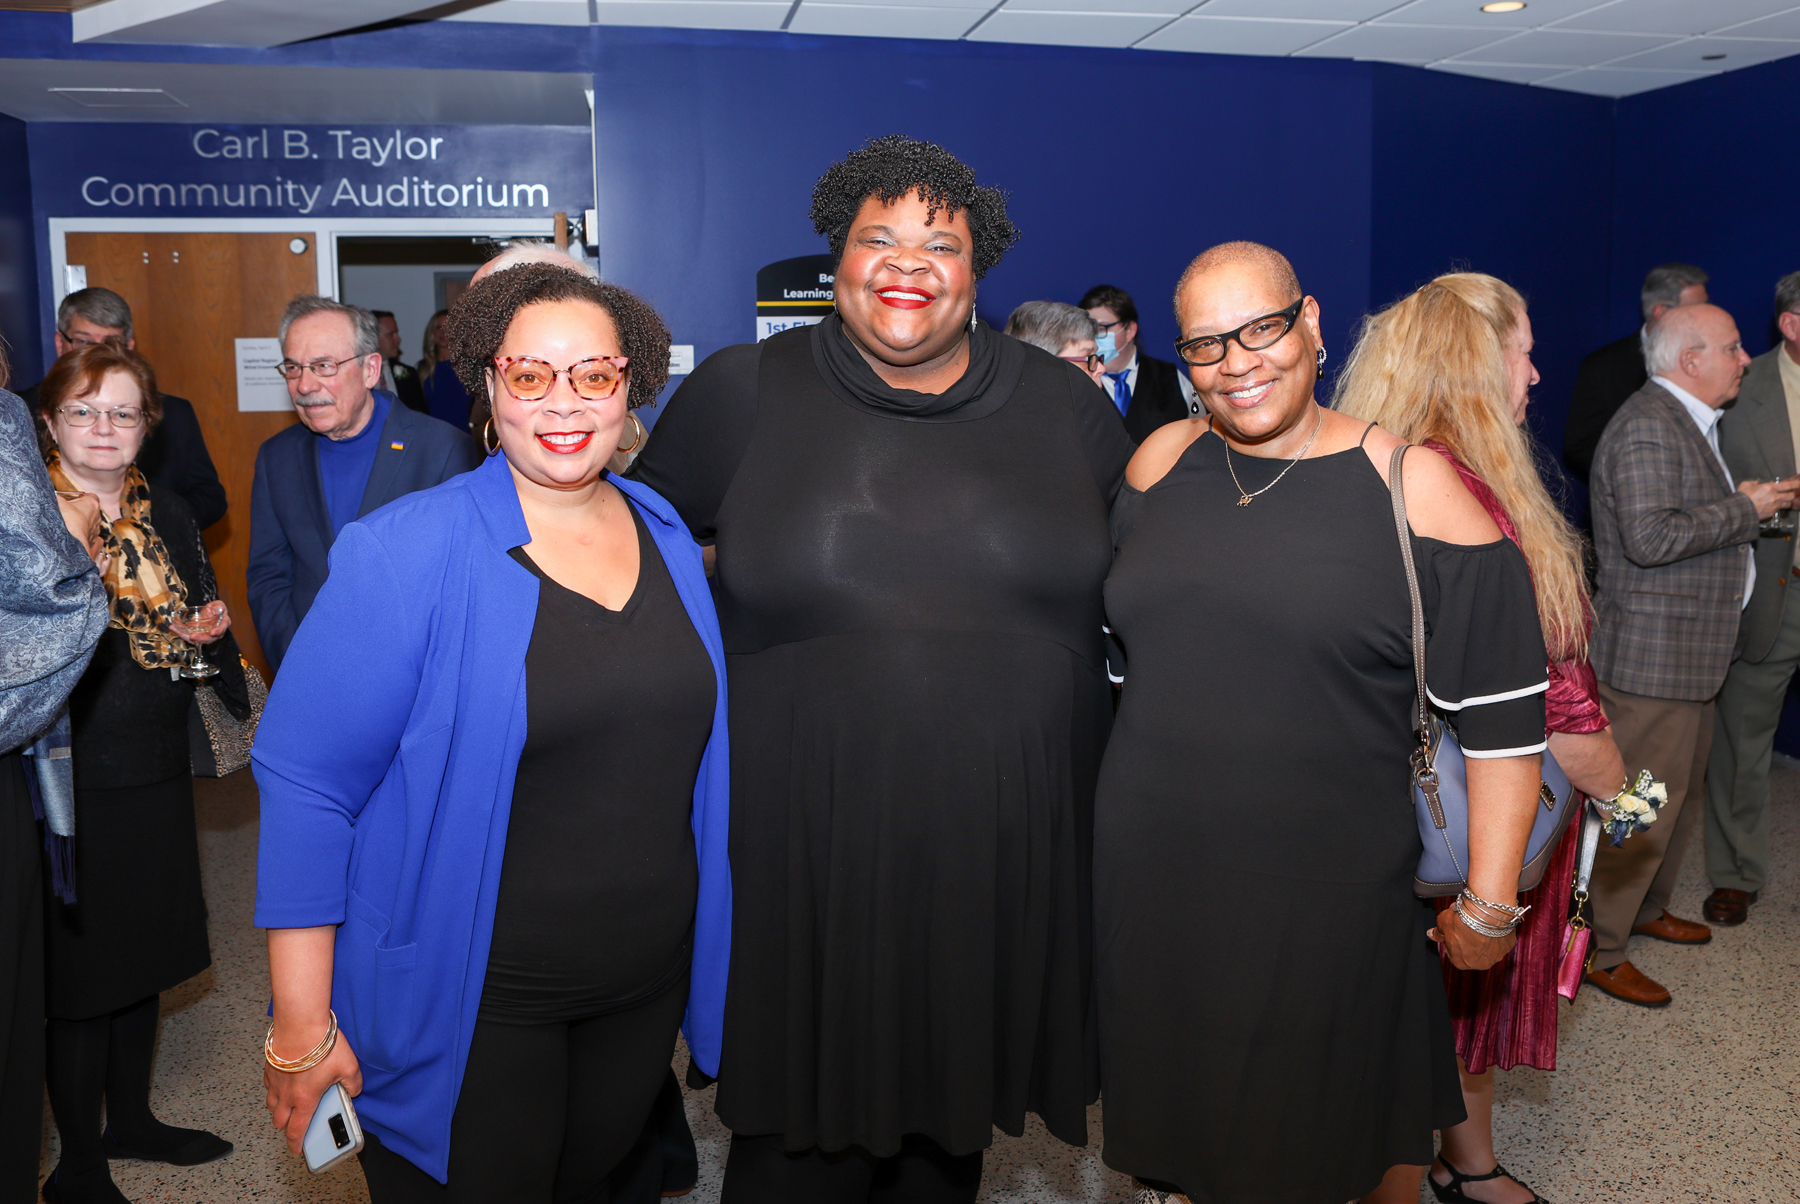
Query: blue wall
<point>18,256</point>
<point>1704,175</point>
<point>699,187</point>
<point>1471,174</point>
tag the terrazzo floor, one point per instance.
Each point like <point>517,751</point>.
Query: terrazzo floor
<point>1696,1102</point>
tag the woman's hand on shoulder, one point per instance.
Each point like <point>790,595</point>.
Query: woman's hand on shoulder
<point>1158,454</point>
<point>1438,505</point>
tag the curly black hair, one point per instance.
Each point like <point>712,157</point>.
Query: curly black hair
<point>889,168</point>
<point>481,316</point>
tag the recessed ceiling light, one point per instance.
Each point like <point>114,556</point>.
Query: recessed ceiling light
<point>1711,58</point>
<point>1503,6</point>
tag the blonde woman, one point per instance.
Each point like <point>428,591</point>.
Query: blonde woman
<point>1450,367</point>
<point>445,397</point>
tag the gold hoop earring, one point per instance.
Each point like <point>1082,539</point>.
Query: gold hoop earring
<point>489,441</point>
<point>638,438</point>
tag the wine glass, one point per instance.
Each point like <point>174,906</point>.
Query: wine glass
<point>195,619</point>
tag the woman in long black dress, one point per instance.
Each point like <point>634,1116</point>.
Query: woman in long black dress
<point>1273,1022</point>
<point>909,511</point>
<point>137,923</point>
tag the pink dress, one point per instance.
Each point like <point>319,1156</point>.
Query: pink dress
<point>1507,1015</point>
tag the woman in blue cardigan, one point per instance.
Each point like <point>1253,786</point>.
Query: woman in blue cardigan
<point>494,782</point>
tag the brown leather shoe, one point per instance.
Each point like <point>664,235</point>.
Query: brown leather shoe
<point>1625,981</point>
<point>1728,907</point>
<point>1675,930</point>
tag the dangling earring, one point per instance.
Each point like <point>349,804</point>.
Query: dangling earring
<point>1321,370</point>
<point>489,440</point>
<point>1194,407</point>
<point>971,313</point>
<point>637,438</point>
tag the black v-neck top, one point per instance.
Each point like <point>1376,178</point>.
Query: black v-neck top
<point>597,890</point>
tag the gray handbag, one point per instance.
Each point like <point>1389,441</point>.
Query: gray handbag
<point>1440,776</point>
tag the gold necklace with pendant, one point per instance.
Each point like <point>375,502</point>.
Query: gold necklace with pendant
<point>1245,498</point>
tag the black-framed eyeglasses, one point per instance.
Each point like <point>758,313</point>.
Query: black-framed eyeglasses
<point>289,370</point>
<point>1089,362</point>
<point>1255,335</point>
<point>1106,326</point>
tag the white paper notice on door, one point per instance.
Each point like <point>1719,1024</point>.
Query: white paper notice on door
<point>259,387</point>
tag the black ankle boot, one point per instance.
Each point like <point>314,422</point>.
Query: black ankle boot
<point>177,1147</point>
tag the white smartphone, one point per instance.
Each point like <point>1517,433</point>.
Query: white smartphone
<point>333,1135</point>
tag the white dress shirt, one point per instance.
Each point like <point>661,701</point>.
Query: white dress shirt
<point>1707,419</point>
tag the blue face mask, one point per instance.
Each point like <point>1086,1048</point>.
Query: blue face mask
<point>1107,345</point>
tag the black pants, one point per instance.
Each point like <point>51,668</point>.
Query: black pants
<point>664,1158</point>
<point>546,1110</point>
<point>761,1171</point>
<point>21,987</point>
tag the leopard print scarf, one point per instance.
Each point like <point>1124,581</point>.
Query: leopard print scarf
<point>141,581</point>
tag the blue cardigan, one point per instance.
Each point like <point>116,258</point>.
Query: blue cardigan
<point>385,761</point>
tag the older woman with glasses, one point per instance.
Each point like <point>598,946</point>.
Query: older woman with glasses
<point>1064,331</point>
<point>493,774</point>
<point>1273,1023</point>
<point>128,920</point>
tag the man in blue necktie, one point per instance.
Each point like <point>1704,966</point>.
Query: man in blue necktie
<point>1149,392</point>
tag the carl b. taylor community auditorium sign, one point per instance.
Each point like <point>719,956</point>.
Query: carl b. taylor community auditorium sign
<point>315,170</point>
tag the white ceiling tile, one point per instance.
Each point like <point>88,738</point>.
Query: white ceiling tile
<point>1782,25</point>
<point>980,6</point>
<point>1067,29</point>
<point>1673,16</point>
<point>1688,55</point>
<point>1403,43</point>
<point>694,14</point>
<point>879,21</point>
<point>1566,48</point>
<point>1167,8</point>
<point>526,12</point>
<point>1233,35</point>
<point>1602,82</point>
<point>1345,11</point>
<point>1468,12</point>
<point>1511,73</point>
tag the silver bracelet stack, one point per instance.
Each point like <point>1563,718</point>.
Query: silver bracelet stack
<point>1476,924</point>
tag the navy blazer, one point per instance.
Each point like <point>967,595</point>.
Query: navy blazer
<point>387,790</point>
<point>290,529</point>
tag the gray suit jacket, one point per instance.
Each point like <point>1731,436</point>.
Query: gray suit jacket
<point>1671,534</point>
<point>1755,437</point>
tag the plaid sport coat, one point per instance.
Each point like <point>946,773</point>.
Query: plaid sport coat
<point>1673,539</point>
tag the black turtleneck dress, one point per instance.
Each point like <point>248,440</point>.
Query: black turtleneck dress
<point>909,589</point>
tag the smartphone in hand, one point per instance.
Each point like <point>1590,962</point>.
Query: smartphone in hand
<point>333,1134</point>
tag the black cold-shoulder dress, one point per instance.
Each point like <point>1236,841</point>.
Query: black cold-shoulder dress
<point>1273,1021</point>
<point>909,589</point>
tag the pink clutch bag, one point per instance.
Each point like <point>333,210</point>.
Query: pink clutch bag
<point>1576,935</point>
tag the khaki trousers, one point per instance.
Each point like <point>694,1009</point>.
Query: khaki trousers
<point>1632,883</point>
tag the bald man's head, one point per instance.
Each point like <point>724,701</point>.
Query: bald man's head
<point>532,252</point>
<point>1697,347</point>
<point>1264,261</point>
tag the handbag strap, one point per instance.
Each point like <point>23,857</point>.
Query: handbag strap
<point>1424,773</point>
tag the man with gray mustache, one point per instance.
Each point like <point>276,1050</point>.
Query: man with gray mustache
<point>356,449</point>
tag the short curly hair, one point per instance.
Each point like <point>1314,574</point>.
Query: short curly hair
<point>890,168</point>
<point>479,320</point>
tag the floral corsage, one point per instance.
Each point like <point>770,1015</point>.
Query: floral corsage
<point>1634,808</point>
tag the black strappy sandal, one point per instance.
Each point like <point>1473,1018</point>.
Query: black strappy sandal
<point>1452,1192</point>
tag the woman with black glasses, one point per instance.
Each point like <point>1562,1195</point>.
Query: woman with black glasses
<point>493,773</point>
<point>1272,1017</point>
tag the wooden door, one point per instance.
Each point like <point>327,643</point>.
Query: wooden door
<point>191,295</point>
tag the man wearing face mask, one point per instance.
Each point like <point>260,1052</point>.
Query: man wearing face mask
<point>354,450</point>
<point>1149,392</point>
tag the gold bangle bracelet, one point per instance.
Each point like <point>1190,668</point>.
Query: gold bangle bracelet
<point>307,1061</point>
